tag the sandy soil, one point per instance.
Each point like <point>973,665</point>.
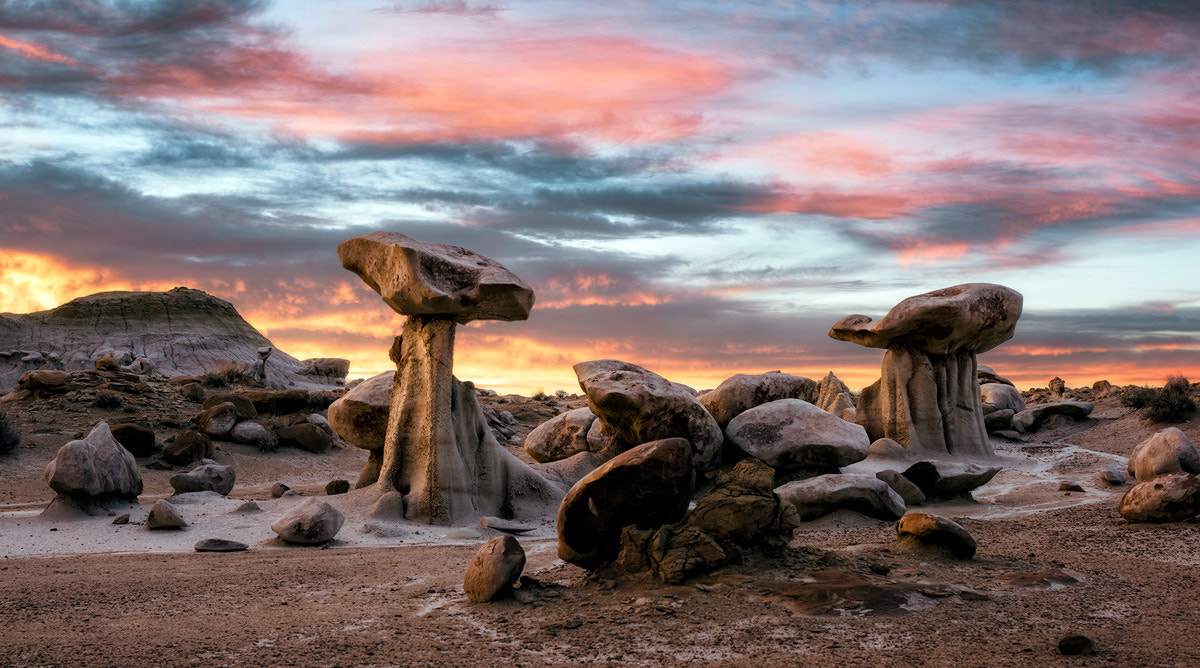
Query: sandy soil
<point>1049,563</point>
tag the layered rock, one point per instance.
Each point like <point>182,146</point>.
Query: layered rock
<point>927,397</point>
<point>832,395</point>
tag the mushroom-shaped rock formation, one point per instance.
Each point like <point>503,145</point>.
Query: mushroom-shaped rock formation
<point>440,462</point>
<point>927,398</point>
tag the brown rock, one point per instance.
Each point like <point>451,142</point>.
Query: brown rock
<point>911,494</point>
<point>1057,387</point>
<point>679,552</point>
<point>163,515</point>
<point>361,415</point>
<point>740,506</point>
<point>495,568</point>
<point>927,531</point>
<point>44,381</point>
<point>305,436</point>
<point>738,394</point>
<point>192,392</point>
<point>276,402</point>
<point>189,446</point>
<point>243,407</point>
<point>219,420</point>
<point>561,436</point>
<point>337,487</point>
<point>1167,451</point>
<point>1171,497</point>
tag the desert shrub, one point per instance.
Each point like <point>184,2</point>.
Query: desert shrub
<point>321,399</point>
<point>1169,407</point>
<point>9,438</point>
<point>108,401</point>
<point>1138,397</point>
<point>1177,384</point>
<point>540,396</point>
<point>561,394</point>
<point>229,373</point>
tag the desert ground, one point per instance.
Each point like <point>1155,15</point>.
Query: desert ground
<point>81,591</point>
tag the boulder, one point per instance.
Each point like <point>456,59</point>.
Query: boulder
<point>208,476</point>
<point>741,505</point>
<point>886,448</point>
<point>424,278</point>
<point>305,436</point>
<point>243,407</point>
<point>791,434</point>
<point>220,545</point>
<point>189,446</point>
<point>310,522</point>
<point>910,493</point>
<point>1002,396</point>
<point>276,402</point>
<point>924,531</point>
<point>254,433</point>
<point>95,469</point>
<point>561,436</point>
<point>928,397</point>
<point>1103,387</point>
<point>566,472</point>
<point>999,420</point>
<point>738,394</point>
<point>946,480</point>
<point>163,515</point>
<point>320,421</point>
<point>278,490</point>
<point>218,421</point>
<point>1031,419</point>
<point>361,415</point>
<point>832,395</point>
<point>334,487</point>
<point>1112,475</point>
<point>192,392</point>
<point>1171,497</point>
<point>44,381</point>
<point>1167,451</point>
<point>135,438</point>
<point>495,568</point>
<point>640,406</point>
<point>678,552</point>
<point>647,486</point>
<point>819,496</point>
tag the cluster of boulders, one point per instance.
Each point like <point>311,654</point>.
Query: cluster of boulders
<point>1166,467</point>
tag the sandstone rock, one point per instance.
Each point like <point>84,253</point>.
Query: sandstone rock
<point>738,394</point>
<point>495,568</point>
<point>647,486</point>
<point>254,433</point>
<point>1031,419</point>
<point>314,418</point>
<point>886,448</point>
<point>1002,396</point>
<point>337,487</point>
<point>423,278</point>
<point>305,436</point>
<point>218,421</point>
<point>276,402</point>
<point>566,472</point>
<point>640,406</point>
<point>1104,387</point>
<point>1167,451</point>
<point>604,440</point>
<point>208,476</point>
<point>678,552</point>
<point>829,394</point>
<point>561,436</point>
<point>925,531</point>
<point>44,381</point>
<point>819,496</point>
<point>1171,497</point>
<point>311,522</point>
<point>192,392</point>
<point>910,493</point>
<point>278,490</point>
<point>1111,475</point>
<point>1057,387</point>
<point>135,438</point>
<point>946,480</point>
<point>791,434</point>
<point>243,408</point>
<point>740,506</point>
<point>220,545</point>
<point>95,469</point>
<point>360,416</point>
<point>986,375</point>
<point>163,515</point>
<point>928,397</point>
<point>189,446</point>
<point>999,420</point>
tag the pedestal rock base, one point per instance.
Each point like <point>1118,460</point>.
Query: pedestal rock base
<point>927,403</point>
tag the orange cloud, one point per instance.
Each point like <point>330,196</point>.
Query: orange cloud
<point>34,51</point>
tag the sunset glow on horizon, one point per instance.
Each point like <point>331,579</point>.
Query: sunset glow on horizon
<point>702,188</point>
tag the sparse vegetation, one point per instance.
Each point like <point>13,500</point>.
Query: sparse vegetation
<point>9,438</point>
<point>1169,406</point>
<point>1138,397</point>
<point>229,373</point>
<point>108,401</point>
<point>540,396</point>
<point>561,394</point>
<point>1177,384</point>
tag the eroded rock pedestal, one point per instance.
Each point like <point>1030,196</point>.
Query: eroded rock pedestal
<point>927,398</point>
<point>440,463</point>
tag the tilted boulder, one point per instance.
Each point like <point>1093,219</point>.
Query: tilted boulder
<point>946,480</point>
<point>1171,497</point>
<point>819,496</point>
<point>561,436</point>
<point>440,463</point>
<point>926,531</point>
<point>791,434</point>
<point>189,446</point>
<point>927,397</point>
<point>494,569</point>
<point>738,394</point>
<point>638,406</point>
<point>647,486</point>
<point>95,470</point>
<point>1031,419</point>
<point>304,436</point>
<point>208,476</point>
<point>311,522</point>
<point>1167,451</point>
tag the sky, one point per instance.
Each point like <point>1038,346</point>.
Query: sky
<point>702,188</point>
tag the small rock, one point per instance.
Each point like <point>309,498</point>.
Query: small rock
<point>337,487</point>
<point>886,448</point>
<point>1070,487</point>
<point>192,392</point>
<point>163,515</point>
<point>121,519</point>
<point>925,530</point>
<point>911,494</point>
<point>507,526</point>
<point>254,433</point>
<point>309,523</point>
<point>1111,475</point>
<point>220,545</point>
<point>496,566</point>
<point>278,490</point>
<point>208,476</point>
<point>1076,645</point>
<point>247,508</point>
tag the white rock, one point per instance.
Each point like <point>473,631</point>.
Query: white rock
<point>309,523</point>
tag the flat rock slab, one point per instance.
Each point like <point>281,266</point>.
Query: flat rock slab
<point>1032,418</point>
<point>220,545</point>
<point>507,526</point>
<point>819,496</point>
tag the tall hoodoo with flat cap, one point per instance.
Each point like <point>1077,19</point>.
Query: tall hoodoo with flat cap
<point>927,397</point>
<point>440,463</point>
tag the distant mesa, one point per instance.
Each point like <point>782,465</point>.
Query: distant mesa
<point>181,332</point>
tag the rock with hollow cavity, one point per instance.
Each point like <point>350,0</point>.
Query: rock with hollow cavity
<point>1002,396</point>
<point>433,279</point>
<point>1031,419</point>
<point>647,486</point>
<point>494,569</point>
<point>561,436</point>
<point>927,397</point>
<point>791,434</point>
<point>738,394</point>
<point>946,480</point>
<point>208,476</point>
<point>1171,497</point>
<point>95,469</point>
<point>164,515</point>
<point>819,496</point>
<point>925,531</point>
<point>639,406</point>
<point>1167,451</point>
<point>311,522</point>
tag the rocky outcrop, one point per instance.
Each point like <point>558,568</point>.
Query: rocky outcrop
<point>927,398</point>
<point>181,332</point>
<point>832,395</point>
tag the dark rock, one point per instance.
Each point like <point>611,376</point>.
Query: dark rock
<point>306,436</point>
<point>1031,419</point>
<point>1111,475</point>
<point>679,552</point>
<point>192,392</point>
<point>276,402</point>
<point>209,476</point>
<point>189,446</point>
<point>911,494</point>
<point>243,408</point>
<point>135,438</point>
<point>123,518</point>
<point>946,480</point>
<point>1070,487</point>
<point>1076,645</point>
<point>163,515</point>
<point>740,506</point>
<point>278,490</point>
<point>495,568</point>
<point>1000,419</point>
<point>866,494</point>
<point>337,487</point>
<point>310,522</point>
<point>220,545</point>
<point>927,531</point>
